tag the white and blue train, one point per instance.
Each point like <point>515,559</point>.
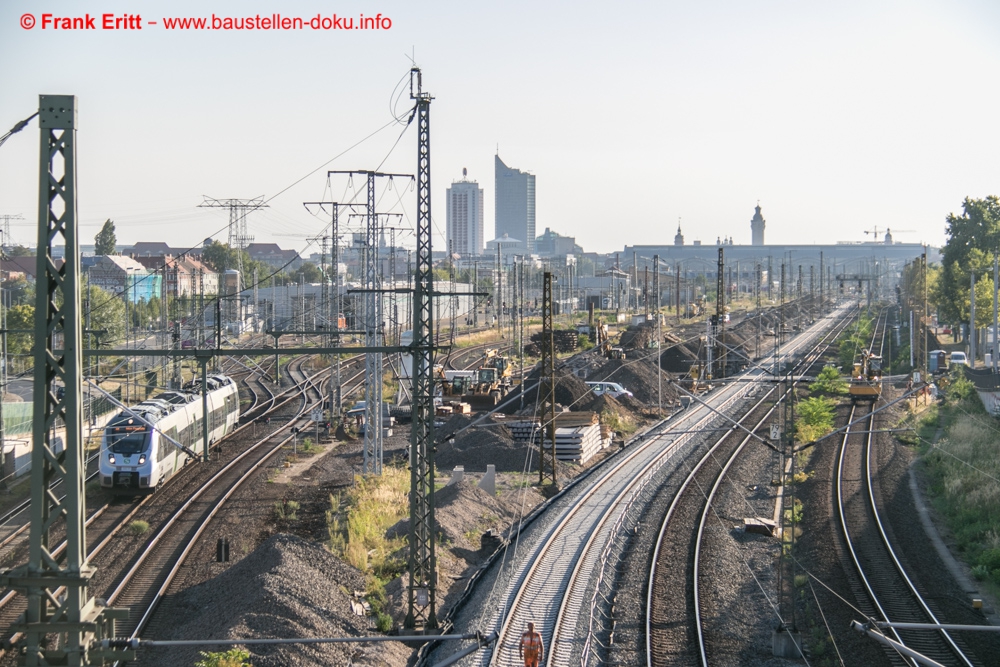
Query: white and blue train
<point>137,459</point>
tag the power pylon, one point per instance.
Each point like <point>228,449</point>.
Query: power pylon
<point>239,237</point>
<point>5,227</point>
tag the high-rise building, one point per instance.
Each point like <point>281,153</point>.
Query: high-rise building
<point>465,217</point>
<point>757,227</point>
<point>515,204</point>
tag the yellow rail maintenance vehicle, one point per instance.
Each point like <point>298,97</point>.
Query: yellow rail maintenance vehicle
<point>866,378</point>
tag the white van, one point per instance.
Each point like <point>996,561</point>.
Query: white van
<point>612,389</point>
<point>958,358</point>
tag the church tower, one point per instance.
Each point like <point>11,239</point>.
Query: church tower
<point>678,237</point>
<point>757,227</point>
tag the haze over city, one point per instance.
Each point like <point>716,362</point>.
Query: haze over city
<point>837,119</point>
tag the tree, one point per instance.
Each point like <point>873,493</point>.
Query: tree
<point>219,256</point>
<point>107,312</point>
<point>20,317</point>
<point>104,242</point>
<point>18,251</point>
<point>972,239</point>
<point>829,382</point>
<point>814,418</point>
<point>310,273</point>
<point>20,291</point>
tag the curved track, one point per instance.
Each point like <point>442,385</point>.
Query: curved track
<point>555,582</point>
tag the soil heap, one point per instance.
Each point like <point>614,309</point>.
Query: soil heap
<point>287,587</point>
<point>489,442</point>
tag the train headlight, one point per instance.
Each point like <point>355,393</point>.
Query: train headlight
<point>111,458</point>
<point>142,459</point>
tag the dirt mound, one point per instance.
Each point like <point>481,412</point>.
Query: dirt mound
<point>287,587</point>
<point>463,512</point>
<point>638,376</point>
<point>637,337</point>
<point>487,443</point>
<point>571,391</point>
<point>605,403</point>
<point>680,357</point>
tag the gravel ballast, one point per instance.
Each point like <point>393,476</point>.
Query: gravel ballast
<point>286,588</point>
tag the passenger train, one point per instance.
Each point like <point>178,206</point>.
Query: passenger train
<point>137,459</point>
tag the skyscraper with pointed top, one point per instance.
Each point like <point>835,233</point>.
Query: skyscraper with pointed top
<point>757,227</point>
<point>515,204</point>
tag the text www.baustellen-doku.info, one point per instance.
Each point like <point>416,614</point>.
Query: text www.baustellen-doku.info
<point>49,21</point>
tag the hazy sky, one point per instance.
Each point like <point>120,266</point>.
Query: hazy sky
<point>838,117</point>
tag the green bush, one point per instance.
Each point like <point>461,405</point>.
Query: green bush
<point>138,528</point>
<point>960,388</point>
<point>830,382</point>
<point>814,418</point>
<point>234,657</point>
<point>383,622</point>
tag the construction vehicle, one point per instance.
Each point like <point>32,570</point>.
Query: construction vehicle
<point>483,387</point>
<point>866,377</point>
<point>695,308</point>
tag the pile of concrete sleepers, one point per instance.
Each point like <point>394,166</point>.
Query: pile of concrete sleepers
<point>578,435</point>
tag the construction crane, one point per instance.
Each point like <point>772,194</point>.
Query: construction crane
<point>888,234</point>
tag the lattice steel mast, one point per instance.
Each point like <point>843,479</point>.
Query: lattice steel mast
<point>74,615</point>
<point>547,389</point>
<point>372,293</point>
<point>422,590</point>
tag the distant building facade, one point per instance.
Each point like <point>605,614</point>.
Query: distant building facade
<point>465,217</point>
<point>125,277</point>
<point>183,276</point>
<point>515,204</point>
<point>508,248</point>
<point>757,227</point>
<point>274,256</point>
<point>552,244</point>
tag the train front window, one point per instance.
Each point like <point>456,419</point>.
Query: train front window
<point>126,435</point>
<point>128,443</point>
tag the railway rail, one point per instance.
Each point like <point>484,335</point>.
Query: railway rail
<point>551,583</point>
<point>884,587</point>
<point>674,623</point>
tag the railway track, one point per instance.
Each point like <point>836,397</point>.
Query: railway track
<point>145,583</point>
<point>551,583</point>
<point>883,586</point>
<point>675,631</point>
<point>109,522</point>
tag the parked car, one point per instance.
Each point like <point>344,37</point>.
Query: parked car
<point>958,358</point>
<point>612,389</point>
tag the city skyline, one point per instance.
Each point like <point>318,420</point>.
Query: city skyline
<point>839,120</point>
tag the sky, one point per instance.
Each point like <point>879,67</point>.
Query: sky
<point>839,118</point>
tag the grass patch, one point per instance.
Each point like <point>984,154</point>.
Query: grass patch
<point>963,472</point>
<point>358,520</point>
<point>286,510</point>
<point>234,657</point>
<point>307,446</point>
<point>621,425</point>
<point>138,528</point>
